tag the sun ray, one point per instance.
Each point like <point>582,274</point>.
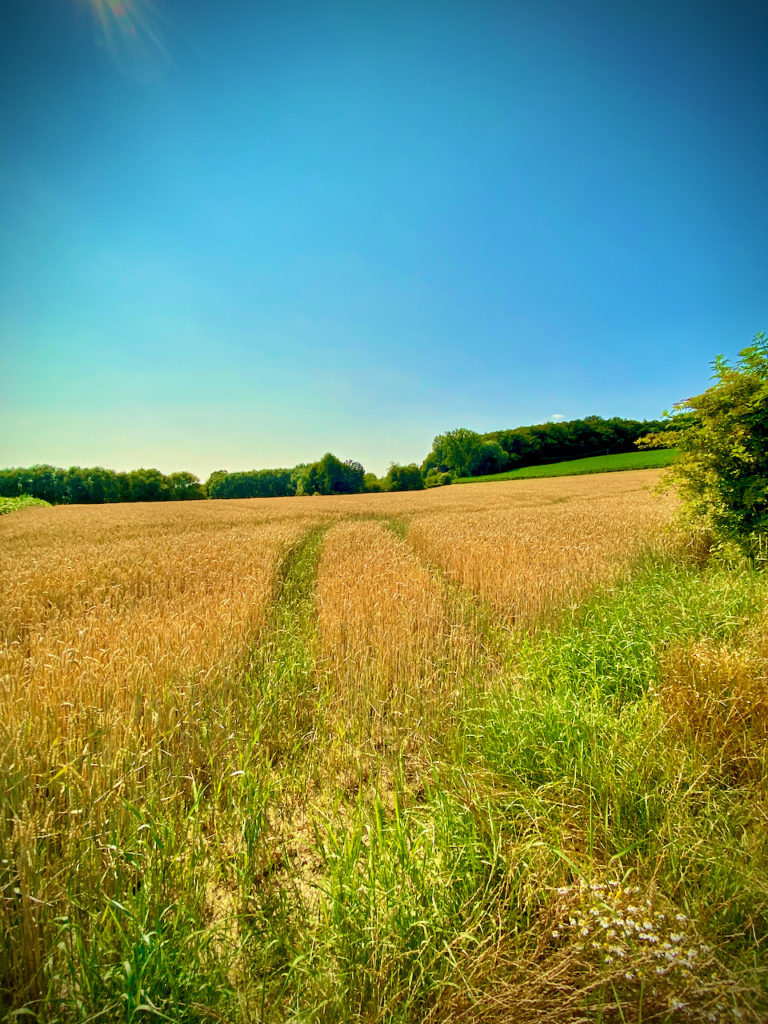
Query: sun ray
<point>129,31</point>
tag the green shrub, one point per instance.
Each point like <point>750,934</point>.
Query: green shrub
<point>23,501</point>
<point>371,484</point>
<point>435,479</point>
<point>722,435</point>
<point>404,478</point>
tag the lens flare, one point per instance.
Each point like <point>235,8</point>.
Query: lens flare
<point>129,31</point>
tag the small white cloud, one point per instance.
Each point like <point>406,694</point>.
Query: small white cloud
<point>556,417</point>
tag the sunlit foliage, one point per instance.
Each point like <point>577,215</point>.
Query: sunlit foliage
<point>722,434</point>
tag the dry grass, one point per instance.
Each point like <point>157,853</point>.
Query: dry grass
<point>605,951</point>
<point>717,694</point>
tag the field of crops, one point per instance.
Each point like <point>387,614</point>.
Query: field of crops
<point>478,754</point>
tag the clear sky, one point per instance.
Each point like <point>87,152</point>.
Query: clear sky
<point>239,234</point>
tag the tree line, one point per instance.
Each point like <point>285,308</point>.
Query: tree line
<point>96,485</point>
<point>465,453</point>
<point>456,453</point>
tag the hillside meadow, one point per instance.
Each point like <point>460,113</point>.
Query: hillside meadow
<point>473,754</point>
<point>576,467</point>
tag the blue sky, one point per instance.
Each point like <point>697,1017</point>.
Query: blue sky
<point>241,234</point>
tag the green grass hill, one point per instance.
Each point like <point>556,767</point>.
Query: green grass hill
<point>575,467</point>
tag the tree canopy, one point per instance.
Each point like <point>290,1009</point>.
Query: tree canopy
<point>96,486</point>
<point>329,475</point>
<point>464,452</point>
<point>457,451</point>
<point>404,478</point>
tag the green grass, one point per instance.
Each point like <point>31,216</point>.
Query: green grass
<point>23,501</point>
<point>576,467</point>
<point>580,742</point>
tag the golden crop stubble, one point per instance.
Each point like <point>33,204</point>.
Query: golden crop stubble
<point>391,635</point>
<point>717,694</point>
<point>553,540</point>
<point>102,607</point>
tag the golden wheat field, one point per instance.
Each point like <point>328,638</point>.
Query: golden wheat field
<point>247,752</point>
<point>102,608</point>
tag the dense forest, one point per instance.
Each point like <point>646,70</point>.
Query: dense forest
<point>457,453</point>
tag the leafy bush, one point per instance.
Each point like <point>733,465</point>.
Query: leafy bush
<point>23,501</point>
<point>436,479</point>
<point>371,484</point>
<point>403,478</point>
<point>722,434</point>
